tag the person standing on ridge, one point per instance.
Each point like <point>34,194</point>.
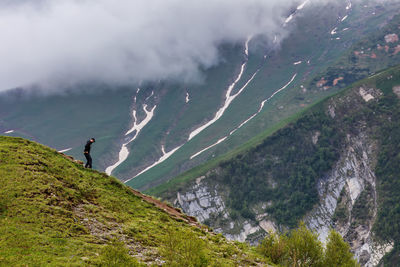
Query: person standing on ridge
<point>86,152</point>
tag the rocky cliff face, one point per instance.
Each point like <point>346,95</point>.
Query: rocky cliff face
<point>348,198</point>
<point>346,191</point>
<point>204,201</point>
<point>347,194</point>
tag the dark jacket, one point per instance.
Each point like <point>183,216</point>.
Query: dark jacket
<point>87,147</point>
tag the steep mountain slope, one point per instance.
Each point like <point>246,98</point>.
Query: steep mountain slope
<point>336,165</point>
<point>55,212</point>
<point>159,129</point>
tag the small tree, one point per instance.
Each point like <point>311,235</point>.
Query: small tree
<point>304,248</point>
<point>301,247</point>
<point>337,252</point>
<point>274,248</point>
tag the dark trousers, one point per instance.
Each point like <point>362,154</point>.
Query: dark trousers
<point>89,160</point>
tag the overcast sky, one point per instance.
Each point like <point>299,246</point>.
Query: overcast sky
<point>123,41</point>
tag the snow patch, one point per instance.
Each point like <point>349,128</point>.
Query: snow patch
<point>65,150</point>
<point>297,63</point>
<point>147,98</point>
<point>289,18</point>
<point>187,98</point>
<point>139,127</point>
<point>246,46</point>
<point>344,18</point>
<point>228,97</point>
<point>218,115</point>
<point>163,158</point>
<point>334,31</point>
<point>302,5</point>
<point>207,148</point>
<point>124,152</point>
<point>246,121</point>
<point>9,131</point>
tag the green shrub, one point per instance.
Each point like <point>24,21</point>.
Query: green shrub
<point>301,247</point>
<point>337,252</point>
<point>304,248</point>
<point>274,248</point>
<point>183,249</point>
<point>116,254</point>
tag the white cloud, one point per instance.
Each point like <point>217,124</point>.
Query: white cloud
<point>70,41</point>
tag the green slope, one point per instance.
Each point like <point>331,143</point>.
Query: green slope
<point>66,120</point>
<point>310,39</point>
<point>54,212</point>
<point>283,168</point>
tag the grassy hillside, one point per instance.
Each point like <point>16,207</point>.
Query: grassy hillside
<point>55,212</point>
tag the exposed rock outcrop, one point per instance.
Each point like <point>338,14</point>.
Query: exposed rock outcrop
<point>201,202</point>
<point>339,192</point>
<point>348,200</point>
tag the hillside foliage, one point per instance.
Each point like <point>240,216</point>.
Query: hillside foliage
<point>283,170</point>
<point>387,225</point>
<point>301,247</point>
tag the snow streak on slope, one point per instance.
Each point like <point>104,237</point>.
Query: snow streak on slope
<point>228,99</point>
<point>209,147</point>
<point>291,16</point>
<point>8,132</point>
<point>137,127</point>
<point>187,98</point>
<point>65,150</point>
<point>147,98</point>
<point>348,9</point>
<point>163,158</point>
<point>302,5</point>
<point>246,121</point>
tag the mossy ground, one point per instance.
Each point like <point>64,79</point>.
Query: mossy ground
<point>55,212</point>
